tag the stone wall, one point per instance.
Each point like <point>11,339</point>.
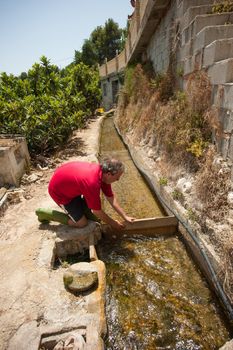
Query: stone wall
<point>187,37</point>
<point>160,45</point>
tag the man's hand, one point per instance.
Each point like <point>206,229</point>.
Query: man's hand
<point>129,218</point>
<point>117,225</point>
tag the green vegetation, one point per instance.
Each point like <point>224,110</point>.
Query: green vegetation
<point>222,6</point>
<point>180,122</point>
<point>177,195</point>
<point>46,104</point>
<point>103,43</point>
<point>163,181</point>
<point>191,215</point>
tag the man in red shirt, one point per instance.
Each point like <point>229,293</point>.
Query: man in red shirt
<point>76,184</point>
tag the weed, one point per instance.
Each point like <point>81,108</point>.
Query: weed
<point>191,215</point>
<point>212,186</point>
<point>197,148</point>
<point>178,196</point>
<point>222,6</point>
<point>180,72</point>
<point>163,181</point>
<point>64,264</point>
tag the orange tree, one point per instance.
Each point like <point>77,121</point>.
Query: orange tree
<point>46,104</point>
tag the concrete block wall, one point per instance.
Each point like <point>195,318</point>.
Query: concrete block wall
<point>206,43</point>
<point>159,46</point>
<point>199,40</point>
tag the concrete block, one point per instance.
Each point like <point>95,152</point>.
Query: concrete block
<point>192,12</point>
<point>217,51</point>
<point>186,50</point>
<point>74,240</point>
<point>186,4</point>
<point>225,145</point>
<point>226,116</point>
<point>221,72</point>
<point>230,152</point>
<point>203,21</point>
<point>222,96</point>
<point>228,96</point>
<point>193,63</point>
<point>211,33</point>
<point>14,159</point>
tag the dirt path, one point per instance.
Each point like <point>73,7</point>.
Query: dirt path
<point>29,290</point>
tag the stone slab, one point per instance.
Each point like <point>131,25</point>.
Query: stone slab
<point>211,33</point>
<point>186,4</point>
<point>202,21</point>
<point>221,72</point>
<point>222,96</point>
<point>192,12</point>
<point>218,50</point>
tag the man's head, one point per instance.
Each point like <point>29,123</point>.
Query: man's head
<point>112,169</point>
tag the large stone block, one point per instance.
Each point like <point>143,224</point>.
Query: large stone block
<point>70,241</point>
<point>203,21</point>
<point>222,96</point>
<point>14,159</point>
<point>192,12</point>
<point>211,33</point>
<point>218,50</point>
<point>221,72</point>
<point>186,4</point>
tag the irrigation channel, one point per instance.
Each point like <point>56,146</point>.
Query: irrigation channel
<point>156,296</point>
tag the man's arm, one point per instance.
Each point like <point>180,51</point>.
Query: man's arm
<point>108,220</point>
<point>118,209</point>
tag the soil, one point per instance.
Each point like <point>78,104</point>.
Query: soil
<point>25,292</point>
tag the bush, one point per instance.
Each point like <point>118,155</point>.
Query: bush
<point>222,6</point>
<point>46,106</point>
<point>179,122</point>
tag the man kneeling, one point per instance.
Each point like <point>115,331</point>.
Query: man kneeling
<point>75,185</point>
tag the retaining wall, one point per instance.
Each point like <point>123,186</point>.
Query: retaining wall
<point>187,37</point>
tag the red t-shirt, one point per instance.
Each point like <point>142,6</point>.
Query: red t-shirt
<point>79,178</point>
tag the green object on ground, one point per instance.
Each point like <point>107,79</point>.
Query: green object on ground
<point>46,215</point>
<point>89,215</point>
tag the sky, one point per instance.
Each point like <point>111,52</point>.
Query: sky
<point>30,29</point>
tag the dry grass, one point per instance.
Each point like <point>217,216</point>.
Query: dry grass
<point>228,269</point>
<point>180,123</point>
<point>212,186</point>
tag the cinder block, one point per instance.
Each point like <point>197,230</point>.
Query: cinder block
<point>221,72</point>
<point>192,12</point>
<point>222,96</point>
<point>209,34</point>
<point>193,63</point>
<point>217,51</point>
<point>228,96</point>
<point>186,4</point>
<point>203,21</point>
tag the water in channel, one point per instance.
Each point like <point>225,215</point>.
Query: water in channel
<point>156,297</point>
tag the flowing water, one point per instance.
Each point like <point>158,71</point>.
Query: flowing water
<point>156,297</point>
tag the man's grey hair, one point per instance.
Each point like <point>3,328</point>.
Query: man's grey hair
<point>111,165</point>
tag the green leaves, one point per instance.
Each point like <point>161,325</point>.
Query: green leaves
<point>103,43</point>
<point>46,105</point>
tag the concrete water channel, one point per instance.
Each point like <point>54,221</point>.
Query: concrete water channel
<point>156,297</point>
